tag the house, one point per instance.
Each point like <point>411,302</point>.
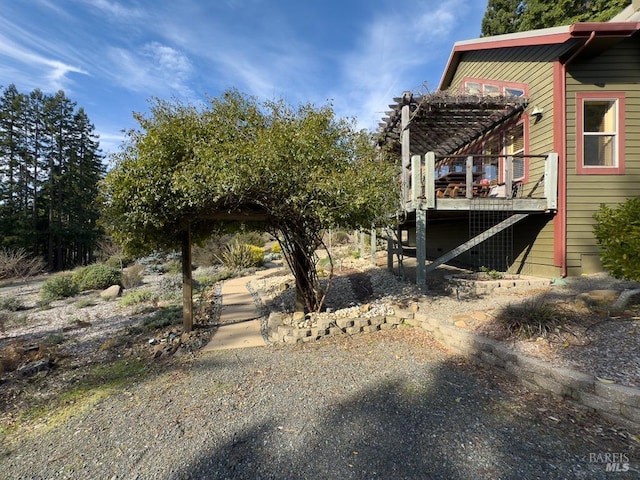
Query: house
<point>528,133</point>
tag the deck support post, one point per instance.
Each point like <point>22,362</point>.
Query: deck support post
<point>421,246</point>
<point>391,248</point>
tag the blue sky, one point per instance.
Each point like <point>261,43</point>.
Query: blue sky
<point>111,56</point>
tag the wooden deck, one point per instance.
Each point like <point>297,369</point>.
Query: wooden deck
<point>469,187</point>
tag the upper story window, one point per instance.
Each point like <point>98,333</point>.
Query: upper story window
<point>477,86</point>
<point>600,136</point>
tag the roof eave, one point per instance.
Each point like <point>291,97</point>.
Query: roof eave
<point>546,36</point>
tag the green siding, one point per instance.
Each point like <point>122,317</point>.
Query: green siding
<point>533,66</point>
<point>615,70</point>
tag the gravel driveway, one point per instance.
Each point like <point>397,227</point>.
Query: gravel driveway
<point>389,405</point>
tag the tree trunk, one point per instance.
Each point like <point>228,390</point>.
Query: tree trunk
<point>187,282</point>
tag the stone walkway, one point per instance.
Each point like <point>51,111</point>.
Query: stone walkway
<point>239,317</point>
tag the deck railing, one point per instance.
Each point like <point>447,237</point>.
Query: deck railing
<point>433,182</point>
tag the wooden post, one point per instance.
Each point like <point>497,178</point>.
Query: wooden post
<point>416,181</point>
<point>374,242</point>
<point>362,244</point>
<point>421,246</point>
<point>551,181</point>
<point>390,249</point>
<point>429,180</point>
<point>508,177</point>
<point>405,146</point>
<point>187,282</point>
<point>469,177</point>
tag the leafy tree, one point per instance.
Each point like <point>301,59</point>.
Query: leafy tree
<point>508,16</point>
<point>294,171</point>
<point>617,232</point>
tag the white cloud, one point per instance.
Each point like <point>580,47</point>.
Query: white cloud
<point>56,72</point>
<point>390,47</point>
<point>155,69</point>
<point>114,9</point>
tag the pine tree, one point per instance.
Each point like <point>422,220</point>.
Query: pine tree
<point>50,164</point>
<point>508,16</point>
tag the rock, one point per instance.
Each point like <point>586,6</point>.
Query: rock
<point>480,316</point>
<point>460,324</point>
<point>298,317</point>
<point>365,308</point>
<point>31,368</point>
<point>595,297</point>
<point>110,293</point>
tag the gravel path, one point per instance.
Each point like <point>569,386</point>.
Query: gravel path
<point>389,405</point>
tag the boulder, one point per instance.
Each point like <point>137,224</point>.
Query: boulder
<point>110,293</point>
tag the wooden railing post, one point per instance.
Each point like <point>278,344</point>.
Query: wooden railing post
<point>469,176</point>
<point>430,179</point>
<point>551,181</point>
<point>508,177</point>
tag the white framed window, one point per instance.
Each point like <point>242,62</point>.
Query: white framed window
<point>600,136</point>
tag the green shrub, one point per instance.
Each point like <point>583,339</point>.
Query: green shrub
<point>114,262</point>
<point>170,287</point>
<point>132,276</point>
<point>249,238</point>
<point>617,232</point>
<point>11,304</point>
<point>163,318</point>
<point>57,287</point>
<point>96,277</point>
<point>236,256</point>
<point>136,297</point>
<point>533,317</point>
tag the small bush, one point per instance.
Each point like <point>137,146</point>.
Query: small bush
<point>340,238</point>
<point>533,317</point>
<point>19,264</point>
<point>163,318</point>
<point>276,248</point>
<point>132,276</point>
<point>96,277</point>
<point>617,232</point>
<point>114,262</point>
<point>170,287</point>
<point>58,287</point>
<point>237,256</point>
<point>11,304</point>
<point>136,297</point>
<point>250,238</point>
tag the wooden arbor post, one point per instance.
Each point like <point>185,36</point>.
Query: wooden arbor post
<point>187,281</point>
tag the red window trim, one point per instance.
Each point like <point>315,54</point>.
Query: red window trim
<point>581,169</point>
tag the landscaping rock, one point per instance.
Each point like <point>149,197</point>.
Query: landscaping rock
<point>112,292</point>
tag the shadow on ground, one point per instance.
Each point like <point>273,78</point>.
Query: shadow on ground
<point>443,420</point>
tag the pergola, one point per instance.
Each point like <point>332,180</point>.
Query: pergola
<point>444,122</point>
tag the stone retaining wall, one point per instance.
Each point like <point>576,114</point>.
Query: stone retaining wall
<point>618,403</point>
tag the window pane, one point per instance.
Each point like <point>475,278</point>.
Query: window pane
<point>492,90</point>
<point>472,88</point>
<point>514,140</point>
<point>600,116</point>
<point>514,92</point>
<point>599,150</point>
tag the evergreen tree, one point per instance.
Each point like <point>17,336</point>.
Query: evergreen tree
<point>508,16</point>
<point>50,163</point>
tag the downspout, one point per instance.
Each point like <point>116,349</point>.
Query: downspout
<point>563,154</point>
